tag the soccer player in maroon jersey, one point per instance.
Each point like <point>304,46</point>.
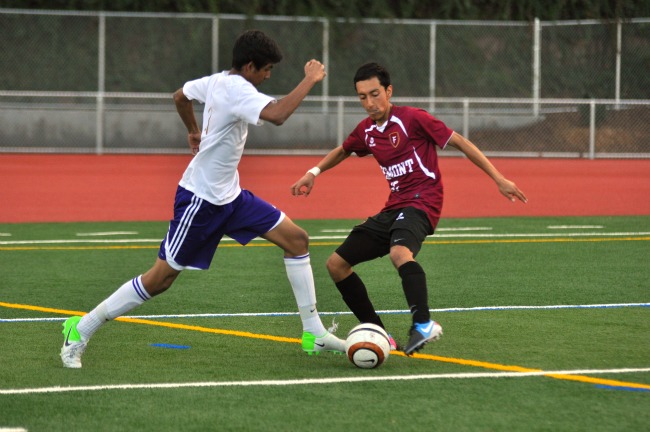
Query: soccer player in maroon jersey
<point>403,140</point>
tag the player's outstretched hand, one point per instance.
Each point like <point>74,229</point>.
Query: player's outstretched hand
<point>303,186</point>
<point>511,191</point>
<point>315,70</point>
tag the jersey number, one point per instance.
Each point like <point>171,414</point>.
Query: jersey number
<point>207,126</point>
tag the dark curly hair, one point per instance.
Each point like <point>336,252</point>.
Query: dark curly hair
<point>254,46</point>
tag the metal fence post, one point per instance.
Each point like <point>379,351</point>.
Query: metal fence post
<point>215,44</point>
<point>466,118</point>
<point>101,85</point>
<point>617,91</point>
<point>432,66</point>
<point>326,61</point>
<point>592,129</point>
<point>537,62</point>
<point>339,121</point>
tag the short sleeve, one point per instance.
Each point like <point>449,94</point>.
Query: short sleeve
<point>433,128</point>
<point>197,89</point>
<point>355,143</point>
<point>251,103</point>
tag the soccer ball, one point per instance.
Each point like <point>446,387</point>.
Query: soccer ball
<point>367,346</point>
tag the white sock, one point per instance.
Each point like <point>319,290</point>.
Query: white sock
<point>127,297</point>
<point>301,279</point>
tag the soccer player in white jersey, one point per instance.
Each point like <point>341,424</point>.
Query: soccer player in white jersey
<point>403,140</point>
<point>210,202</point>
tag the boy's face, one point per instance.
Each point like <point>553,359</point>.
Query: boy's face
<point>375,99</point>
<point>256,76</point>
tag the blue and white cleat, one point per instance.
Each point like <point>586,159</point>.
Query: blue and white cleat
<point>420,334</point>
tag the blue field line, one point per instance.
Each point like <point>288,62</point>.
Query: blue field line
<point>171,346</point>
<point>279,314</point>
<point>632,389</point>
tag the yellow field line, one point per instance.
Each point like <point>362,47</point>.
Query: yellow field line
<point>40,309</point>
<point>541,240</point>
<point>210,330</point>
<point>508,368</point>
<point>155,323</point>
<point>463,362</point>
<point>428,242</point>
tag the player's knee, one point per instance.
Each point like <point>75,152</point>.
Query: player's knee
<point>299,242</point>
<point>159,278</point>
<point>159,286</point>
<point>337,267</point>
<point>400,255</point>
<point>296,244</point>
<point>303,238</point>
<point>167,283</point>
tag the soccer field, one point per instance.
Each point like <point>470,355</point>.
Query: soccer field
<point>545,320</point>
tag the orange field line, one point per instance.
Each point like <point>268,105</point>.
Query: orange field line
<point>463,362</point>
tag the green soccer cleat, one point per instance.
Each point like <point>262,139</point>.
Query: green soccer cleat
<point>73,346</point>
<point>313,345</point>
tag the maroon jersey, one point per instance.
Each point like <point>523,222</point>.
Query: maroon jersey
<point>405,148</point>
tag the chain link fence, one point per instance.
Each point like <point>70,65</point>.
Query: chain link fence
<point>98,82</point>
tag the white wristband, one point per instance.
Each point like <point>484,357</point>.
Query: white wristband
<point>315,171</point>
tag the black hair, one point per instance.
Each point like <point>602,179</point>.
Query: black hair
<point>372,70</point>
<point>254,46</point>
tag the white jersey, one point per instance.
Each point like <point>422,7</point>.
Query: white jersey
<point>231,103</point>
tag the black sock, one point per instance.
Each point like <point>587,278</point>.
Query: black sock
<point>355,295</point>
<point>414,283</point>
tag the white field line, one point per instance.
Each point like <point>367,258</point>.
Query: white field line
<point>335,237</point>
<point>275,314</point>
<point>107,233</point>
<point>575,227</point>
<point>507,235</point>
<point>314,381</point>
<point>465,229</point>
<point>61,241</point>
<point>347,230</point>
<point>512,235</point>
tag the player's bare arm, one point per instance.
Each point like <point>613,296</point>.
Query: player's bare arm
<point>186,112</point>
<point>305,184</point>
<point>278,112</point>
<point>507,188</point>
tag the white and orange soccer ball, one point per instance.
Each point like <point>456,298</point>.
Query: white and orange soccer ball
<point>367,346</point>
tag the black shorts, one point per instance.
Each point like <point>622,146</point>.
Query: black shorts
<point>373,239</point>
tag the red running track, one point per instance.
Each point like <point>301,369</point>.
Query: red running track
<point>76,188</point>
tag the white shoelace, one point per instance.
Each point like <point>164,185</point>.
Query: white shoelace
<point>334,327</point>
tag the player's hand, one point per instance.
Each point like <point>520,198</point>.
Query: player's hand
<point>303,186</point>
<point>315,70</point>
<point>511,191</point>
<point>194,139</point>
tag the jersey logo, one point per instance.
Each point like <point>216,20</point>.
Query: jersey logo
<point>393,137</point>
